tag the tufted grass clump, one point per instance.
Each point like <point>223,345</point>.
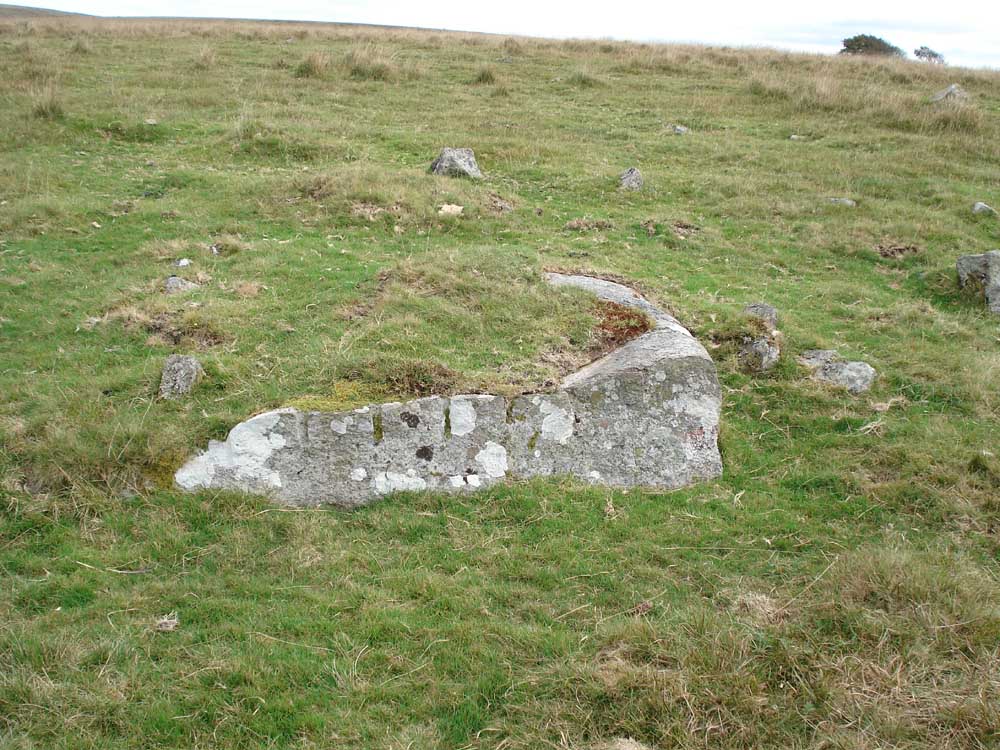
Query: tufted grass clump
<point>206,58</point>
<point>313,65</point>
<point>81,46</point>
<point>371,63</point>
<point>485,76</point>
<point>45,102</point>
<point>582,79</point>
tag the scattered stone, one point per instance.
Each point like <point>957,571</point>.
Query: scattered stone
<point>678,129</point>
<point>176,285</point>
<point>763,312</point>
<point>450,209</point>
<point>891,250</point>
<point>828,366</point>
<point>183,263</point>
<point>953,93</point>
<point>631,179</point>
<point>843,202</point>
<point>646,414</point>
<point>982,208</point>
<point>759,353</point>
<point>151,121</point>
<point>587,225</point>
<point>181,373</point>
<point>499,204</point>
<point>167,623</point>
<point>623,743</point>
<point>796,137</point>
<point>457,162</point>
<point>982,272</point>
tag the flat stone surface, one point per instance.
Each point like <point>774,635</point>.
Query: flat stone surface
<point>828,366</point>
<point>647,414</point>
<point>631,179</point>
<point>982,271</point>
<point>457,162</point>
<point>181,373</point>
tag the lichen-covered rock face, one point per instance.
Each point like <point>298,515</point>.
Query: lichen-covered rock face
<point>457,162</point>
<point>982,271</point>
<point>181,373</point>
<point>631,179</point>
<point>646,414</point>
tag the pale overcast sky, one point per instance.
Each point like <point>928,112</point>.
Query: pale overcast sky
<point>967,33</point>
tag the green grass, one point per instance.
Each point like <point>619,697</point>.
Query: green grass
<point>837,587</point>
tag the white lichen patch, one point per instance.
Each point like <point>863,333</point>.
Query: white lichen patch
<point>463,416</point>
<point>557,423</point>
<point>359,474</point>
<point>242,457</point>
<point>493,459</point>
<point>392,481</point>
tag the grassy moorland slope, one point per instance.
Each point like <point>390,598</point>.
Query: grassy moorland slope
<point>837,587</point>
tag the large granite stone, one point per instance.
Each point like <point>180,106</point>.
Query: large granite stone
<point>647,414</point>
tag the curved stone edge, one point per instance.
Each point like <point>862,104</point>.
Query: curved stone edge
<point>646,414</point>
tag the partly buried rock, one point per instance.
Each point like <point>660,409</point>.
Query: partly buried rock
<point>647,414</point>
<point>631,179</point>
<point>850,203</point>
<point>982,272</point>
<point>678,129</point>
<point>827,365</point>
<point>176,285</point>
<point>181,373</point>
<point>982,208</point>
<point>954,93</point>
<point>760,352</point>
<point>457,162</point>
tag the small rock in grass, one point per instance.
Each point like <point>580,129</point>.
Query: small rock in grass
<point>843,202</point>
<point>457,162</point>
<point>954,93</point>
<point>763,312</point>
<point>982,271</point>
<point>181,373</point>
<point>167,623</point>
<point>982,208</point>
<point>828,366</point>
<point>176,285</point>
<point>759,353</point>
<point>183,263</point>
<point>678,129</point>
<point>450,209</point>
<point>631,179</point>
<point>151,121</point>
<point>796,137</point>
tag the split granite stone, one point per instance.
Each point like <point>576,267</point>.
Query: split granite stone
<point>457,162</point>
<point>647,414</point>
<point>181,372</point>
<point>982,271</point>
<point>828,366</point>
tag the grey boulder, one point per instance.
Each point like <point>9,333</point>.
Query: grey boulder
<point>765,313</point>
<point>982,208</point>
<point>631,179</point>
<point>646,414</point>
<point>759,353</point>
<point>982,272</point>
<point>828,366</point>
<point>678,129</point>
<point>457,162</point>
<point>180,375</point>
